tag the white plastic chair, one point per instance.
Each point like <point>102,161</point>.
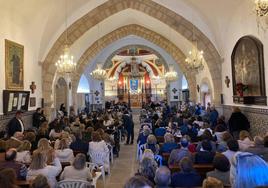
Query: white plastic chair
<point>93,166</point>
<point>111,152</point>
<point>140,149</point>
<point>159,159</point>
<point>74,184</point>
<point>101,158</point>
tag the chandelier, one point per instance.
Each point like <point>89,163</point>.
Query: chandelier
<point>66,63</point>
<point>195,60</point>
<point>99,73</point>
<point>171,75</point>
<point>261,9</point>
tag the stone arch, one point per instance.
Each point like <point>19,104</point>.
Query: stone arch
<point>142,32</point>
<point>149,7</point>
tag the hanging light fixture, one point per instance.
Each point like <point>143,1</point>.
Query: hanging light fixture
<point>261,9</point>
<point>195,60</point>
<point>99,73</point>
<point>171,75</point>
<point>66,63</point>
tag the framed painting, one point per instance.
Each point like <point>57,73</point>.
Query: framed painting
<point>14,59</point>
<point>32,101</point>
<point>248,71</point>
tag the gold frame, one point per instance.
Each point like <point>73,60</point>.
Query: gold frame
<point>9,47</point>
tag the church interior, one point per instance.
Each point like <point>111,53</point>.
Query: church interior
<point>134,93</point>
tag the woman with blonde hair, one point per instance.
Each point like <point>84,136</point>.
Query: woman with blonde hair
<point>39,166</point>
<point>44,146</point>
<point>23,152</point>
<point>64,135</point>
<point>169,144</point>
<point>64,153</point>
<point>152,144</point>
<point>245,140</point>
<point>211,182</point>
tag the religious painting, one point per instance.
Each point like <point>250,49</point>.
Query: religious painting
<point>32,101</point>
<point>134,83</point>
<point>248,68</point>
<point>14,57</point>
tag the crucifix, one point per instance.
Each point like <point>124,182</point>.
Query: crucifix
<point>33,87</point>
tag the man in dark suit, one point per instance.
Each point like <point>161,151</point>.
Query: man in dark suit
<point>15,124</point>
<point>38,118</point>
<point>129,126</point>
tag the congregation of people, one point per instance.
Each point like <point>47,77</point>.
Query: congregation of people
<point>186,146</point>
<point>71,147</point>
<point>191,146</point>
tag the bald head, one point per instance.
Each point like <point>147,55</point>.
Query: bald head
<point>162,176</point>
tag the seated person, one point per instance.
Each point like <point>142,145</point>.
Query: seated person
<point>162,177</point>
<point>44,147</point>
<point>138,181</point>
<point>161,131</point>
<point>222,169</point>
<point>8,178</point>
<point>260,147</point>
<point>64,135</point>
<point>56,132</point>
<point>248,171</point>
<point>211,182</point>
<point>152,144</point>
<point>207,136</point>
<point>245,140</point>
<point>78,144</point>
<point>169,144</point>
<point>14,141</point>
<point>222,145</point>
<point>233,147</point>
<point>40,182</point>
<point>187,177</point>
<point>20,169</point>
<point>147,169</point>
<point>64,153</point>
<point>177,154</point>
<point>78,170</point>
<point>39,166</point>
<point>23,152</point>
<point>142,138</point>
<point>205,155</point>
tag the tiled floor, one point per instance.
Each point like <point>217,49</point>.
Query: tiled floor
<point>126,165</point>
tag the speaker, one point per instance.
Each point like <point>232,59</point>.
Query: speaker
<point>222,99</point>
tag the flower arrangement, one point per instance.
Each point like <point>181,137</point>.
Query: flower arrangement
<point>240,88</point>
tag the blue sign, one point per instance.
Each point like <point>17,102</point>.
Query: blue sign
<point>134,85</point>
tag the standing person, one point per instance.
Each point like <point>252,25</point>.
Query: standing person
<point>238,122</point>
<point>15,124</point>
<point>38,118</point>
<point>63,109</point>
<point>213,117</point>
<point>129,126</point>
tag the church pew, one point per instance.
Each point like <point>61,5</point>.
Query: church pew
<point>201,169</point>
<point>23,183</point>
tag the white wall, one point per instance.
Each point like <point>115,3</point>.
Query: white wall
<point>243,23</point>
